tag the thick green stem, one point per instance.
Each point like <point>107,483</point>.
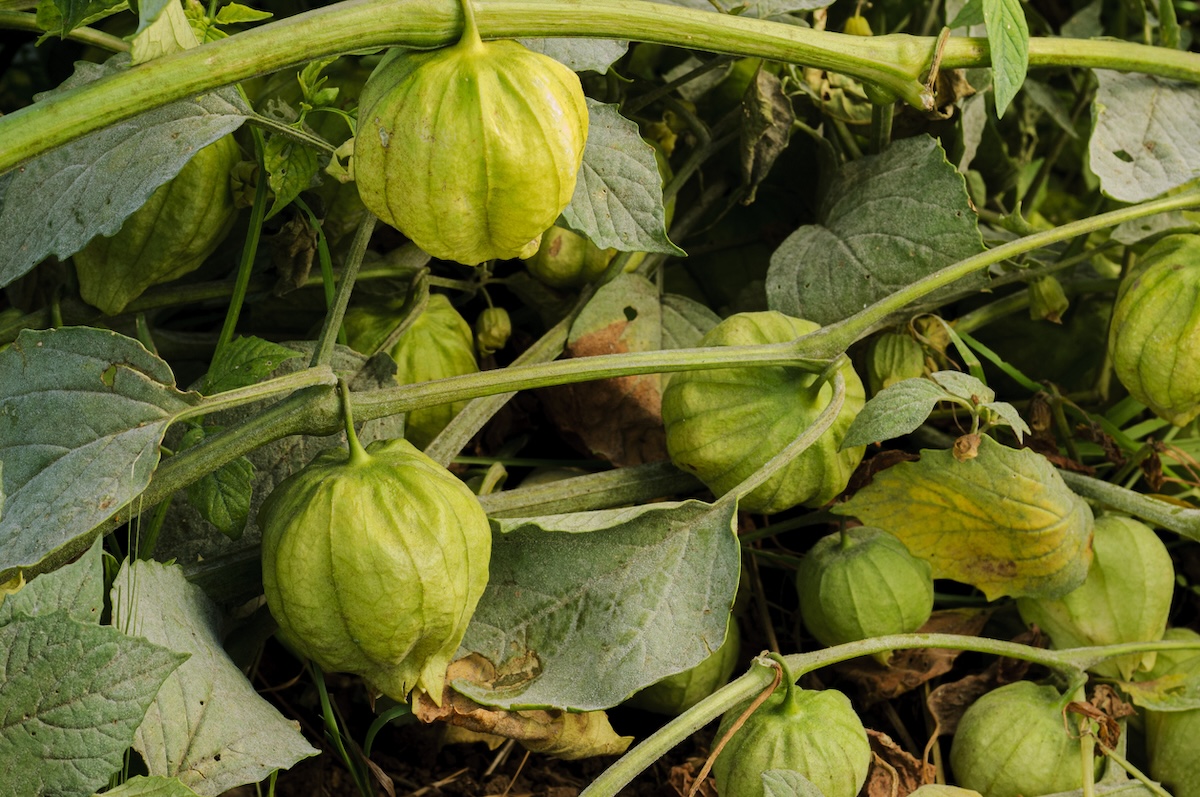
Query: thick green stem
<point>1178,519</point>
<point>272,388</point>
<point>894,62</point>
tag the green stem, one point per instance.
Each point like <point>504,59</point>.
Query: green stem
<point>358,454</point>
<point>831,341</point>
<point>326,260</point>
<point>323,352</point>
<point>881,126</point>
<point>1136,773</point>
<point>294,133</point>
<point>1180,520</point>
<point>18,20</point>
<point>288,383</point>
<point>249,249</point>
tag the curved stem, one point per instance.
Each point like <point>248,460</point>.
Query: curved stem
<point>358,454</point>
<point>18,20</point>
<point>1178,519</point>
<point>894,62</point>
<point>288,383</point>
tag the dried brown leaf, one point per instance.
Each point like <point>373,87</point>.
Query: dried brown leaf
<point>947,702</point>
<point>894,772</point>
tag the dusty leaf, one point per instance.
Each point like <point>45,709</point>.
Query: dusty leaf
<point>1004,521</point>
<point>141,786</point>
<point>77,589</point>
<point>788,783</point>
<point>767,118</point>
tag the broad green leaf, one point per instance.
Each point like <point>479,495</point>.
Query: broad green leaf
<point>1144,140</point>
<point>149,11</point>
<point>894,411</point>
<point>580,55</point>
<point>291,167</point>
<point>618,195</point>
<point>1008,41</point>
<point>628,596</point>
<point>73,693</point>
<point>207,726</point>
<point>1003,522</point>
<point>60,17</point>
<point>967,16</point>
<point>77,589</point>
<point>56,203</point>
<point>887,221</point>
<point>141,786</point>
<point>1132,232</point>
<point>1045,98</point>
<point>245,361</point>
<point>222,497</point>
<point>788,783</point>
<point>65,477</point>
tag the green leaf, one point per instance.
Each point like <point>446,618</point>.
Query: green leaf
<point>1045,98</point>
<point>234,13</point>
<point>767,118</point>
<point>223,496</point>
<point>1006,414</point>
<point>77,589</point>
<point>56,203</point>
<point>141,786</point>
<point>1176,691</point>
<point>207,726</point>
<point>245,361</point>
<point>887,221</point>
<point>580,55</point>
<point>628,596</point>
<point>291,167</point>
<point>1003,521</point>
<point>150,10</point>
<point>168,31</point>
<point>964,386</point>
<point>618,195</point>
<point>60,17</point>
<point>894,411</point>
<point>967,16</point>
<point>64,478</point>
<point>684,322</point>
<point>73,693</point>
<point>1144,140</point>
<point>1008,40</point>
<point>788,783</point>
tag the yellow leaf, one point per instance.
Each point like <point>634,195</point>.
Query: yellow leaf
<point>1003,521</point>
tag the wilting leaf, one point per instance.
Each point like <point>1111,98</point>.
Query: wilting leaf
<point>1003,521</point>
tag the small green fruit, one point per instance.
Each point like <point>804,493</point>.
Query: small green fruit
<point>1012,742</point>
<point>677,693</point>
<point>893,357</point>
<point>815,733</point>
<point>437,345</point>
<point>1154,338</point>
<point>725,424</point>
<point>373,563</point>
<point>472,150</point>
<point>1125,598</point>
<point>492,330</point>
<point>862,583</point>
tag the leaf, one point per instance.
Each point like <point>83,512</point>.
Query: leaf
<point>1003,521</point>
<point>684,322</point>
<point>1008,41</point>
<point>245,361</point>
<point>894,411</point>
<point>788,783</point>
<point>580,55</point>
<point>628,596</point>
<point>1143,140</point>
<point>56,203</point>
<point>234,13</point>
<point>141,786</point>
<point>1176,691</point>
<point>163,29</point>
<point>964,386</point>
<point>761,9</point>
<point>619,419</point>
<point>291,167</point>
<point>618,194</point>
<point>73,693</point>
<point>71,14</point>
<point>222,497</point>
<point>1005,413</point>
<point>64,479</point>
<point>77,589</point>
<point>767,118</point>
<point>970,14</point>
<point>1044,97</point>
<point>887,221</point>
<point>567,735</point>
<point>207,727</point>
